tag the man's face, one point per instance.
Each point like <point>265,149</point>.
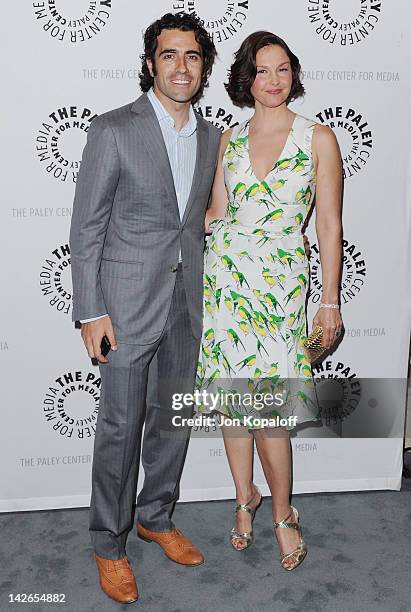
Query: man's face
<point>178,66</point>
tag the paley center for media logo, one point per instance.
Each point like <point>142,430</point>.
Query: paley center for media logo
<point>344,22</point>
<point>71,403</point>
<point>222,20</point>
<point>353,276</point>
<point>354,136</point>
<point>338,390</point>
<point>55,279</point>
<point>61,139</point>
<point>74,22</point>
<point>220,117</point>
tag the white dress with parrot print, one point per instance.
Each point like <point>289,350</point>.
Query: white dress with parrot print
<point>256,276</point>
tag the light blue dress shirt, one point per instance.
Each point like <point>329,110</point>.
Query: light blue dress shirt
<point>181,149</point>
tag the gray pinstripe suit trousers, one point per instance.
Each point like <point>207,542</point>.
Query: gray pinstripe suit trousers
<point>130,383</point>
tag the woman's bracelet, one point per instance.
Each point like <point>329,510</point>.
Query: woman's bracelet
<point>322,305</point>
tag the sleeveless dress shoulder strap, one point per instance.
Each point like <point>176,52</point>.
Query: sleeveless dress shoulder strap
<point>308,126</point>
<point>236,130</point>
<point>303,132</point>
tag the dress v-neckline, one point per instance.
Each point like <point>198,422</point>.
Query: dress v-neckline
<point>279,157</point>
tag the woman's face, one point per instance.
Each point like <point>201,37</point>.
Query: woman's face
<point>274,78</point>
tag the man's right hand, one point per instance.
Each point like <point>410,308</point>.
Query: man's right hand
<point>92,334</point>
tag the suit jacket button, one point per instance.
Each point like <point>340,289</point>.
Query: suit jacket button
<point>173,268</point>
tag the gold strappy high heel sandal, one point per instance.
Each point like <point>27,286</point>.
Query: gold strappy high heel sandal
<point>247,536</point>
<point>299,553</point>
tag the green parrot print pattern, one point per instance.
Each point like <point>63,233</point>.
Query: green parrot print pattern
<point>256,276</point>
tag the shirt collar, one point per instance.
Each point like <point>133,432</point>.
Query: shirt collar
<point>163,115</point>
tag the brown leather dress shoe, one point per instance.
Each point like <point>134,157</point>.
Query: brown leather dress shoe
<point>176,546</point>
<point>117,579</point>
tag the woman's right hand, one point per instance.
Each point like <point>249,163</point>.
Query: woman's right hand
<point>331,322</point>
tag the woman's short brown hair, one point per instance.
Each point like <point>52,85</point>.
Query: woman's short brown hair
<point>243,71</point>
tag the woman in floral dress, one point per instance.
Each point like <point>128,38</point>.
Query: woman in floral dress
<point>256,277</point>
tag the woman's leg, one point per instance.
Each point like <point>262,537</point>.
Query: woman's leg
<point>274,450</point>
<point>239,446</point>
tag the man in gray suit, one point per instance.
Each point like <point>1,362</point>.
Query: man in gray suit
<point>137,239</point>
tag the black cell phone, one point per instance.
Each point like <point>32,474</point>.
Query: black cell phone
<point>105,346</point>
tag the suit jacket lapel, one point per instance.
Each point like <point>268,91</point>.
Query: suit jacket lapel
<point>202,146</point>
<point>150,132</point>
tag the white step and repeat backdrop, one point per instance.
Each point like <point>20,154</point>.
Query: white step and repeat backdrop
<point>66,61</point>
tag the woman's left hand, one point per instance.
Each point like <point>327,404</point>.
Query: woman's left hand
<point>330,320</point>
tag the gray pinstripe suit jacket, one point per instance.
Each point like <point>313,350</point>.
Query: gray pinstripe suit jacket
<point>126,231</point>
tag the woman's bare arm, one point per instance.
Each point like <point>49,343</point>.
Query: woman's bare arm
<point>327,158</point>
<point>219,197</point>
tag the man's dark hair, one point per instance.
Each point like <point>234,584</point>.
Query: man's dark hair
<point>185,23</point>
<point>243,71</point>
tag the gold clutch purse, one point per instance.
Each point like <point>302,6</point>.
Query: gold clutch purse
<point>312,344</point>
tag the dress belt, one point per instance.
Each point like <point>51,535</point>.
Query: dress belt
<point>251,231</point>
